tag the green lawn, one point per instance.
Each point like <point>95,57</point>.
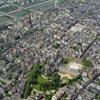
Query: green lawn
<point>4,19</point>
<point>8,9</point>
<point>36,87</point>
<point>66,79</point>
<point>20,13</point>
<point>40,80</point>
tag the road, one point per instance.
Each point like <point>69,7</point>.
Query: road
<point>6,14</point>
<point>75,95</point>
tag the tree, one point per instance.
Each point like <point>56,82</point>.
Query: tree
<point>37,69</point>
<point>76,48</point>
<point>55,80</point>
<point>87,62</point>
<point>29,79</point>
<point>98,97</point>
<point>48,97</point>
<point>65,60</point>
<point>27,90</point>
<point>1,96</point>
<point>32,79</point>
<point>44,86</point>
<point>56,45</point>
<point>72,81</point>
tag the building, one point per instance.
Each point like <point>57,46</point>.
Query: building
<point>71,70</point>
<point>59,94</point>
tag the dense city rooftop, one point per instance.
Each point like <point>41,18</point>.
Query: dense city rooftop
<point>49,50</point>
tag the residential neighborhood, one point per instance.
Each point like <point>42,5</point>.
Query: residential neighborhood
<point>49,50</point>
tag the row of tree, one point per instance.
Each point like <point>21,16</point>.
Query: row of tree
<point>32,79</point>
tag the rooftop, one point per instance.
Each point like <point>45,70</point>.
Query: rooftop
<point>71,70</point>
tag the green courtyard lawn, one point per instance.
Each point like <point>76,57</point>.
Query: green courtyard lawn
<point>66,79</point>
<point>35,81</point>
<point>40,80</point>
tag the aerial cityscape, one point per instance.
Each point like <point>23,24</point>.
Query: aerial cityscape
<point>49,49</point>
